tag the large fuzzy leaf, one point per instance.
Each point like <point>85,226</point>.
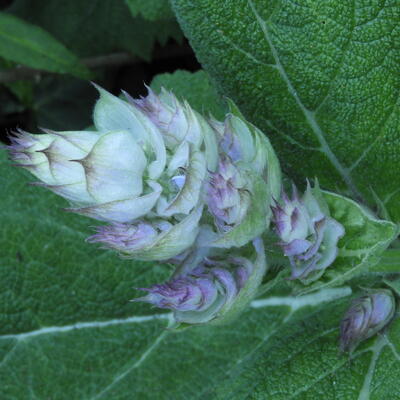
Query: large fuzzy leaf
<point>319,77</point>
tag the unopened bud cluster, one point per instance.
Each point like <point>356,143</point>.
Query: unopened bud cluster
<point>209,291</point>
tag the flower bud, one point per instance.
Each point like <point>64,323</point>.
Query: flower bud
<point>309,236</point>
<point>215,291</point>
<point>198,296</point>
<point>366,316</point>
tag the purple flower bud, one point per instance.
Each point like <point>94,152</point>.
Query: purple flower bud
<point>175,120</point>
<point>366,316</point>
<point>188,293</point>
<point>308,236</point>
<point>227,196</point>
<point>125,238</point>
<point>200,295</point>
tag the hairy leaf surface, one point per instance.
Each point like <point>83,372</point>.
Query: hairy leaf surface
<point>303,362</point>
<point>320,77</point>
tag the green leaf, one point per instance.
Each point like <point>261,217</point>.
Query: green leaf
<point>319,77</point>
<point>30,45</point>
<point>361,247</point>
<point>150,9</point>
<point>196,88</point>
<point>97,27</point>
<point>303,362</point>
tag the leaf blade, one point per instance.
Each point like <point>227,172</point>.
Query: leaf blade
<point>28,44</point>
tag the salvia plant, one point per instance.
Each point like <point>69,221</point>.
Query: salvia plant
<point>232,236</point>
<point>199,194</point>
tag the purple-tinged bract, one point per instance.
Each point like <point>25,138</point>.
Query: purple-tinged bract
<point>125,237</point>
<point>228,196</point>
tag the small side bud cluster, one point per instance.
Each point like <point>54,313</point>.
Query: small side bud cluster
<point>366,316</point>
<point>308,235</point>
<point>211,291</point>
<point>196,297</point>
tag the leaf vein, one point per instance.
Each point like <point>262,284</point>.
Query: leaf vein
<point>308,114</point>
<point>134,365</point>
<point>85,325</point>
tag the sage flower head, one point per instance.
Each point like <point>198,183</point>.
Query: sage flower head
<point>212,292</point>
<point>366,316</point>
<point>128,170</point>
<point>308,235</point>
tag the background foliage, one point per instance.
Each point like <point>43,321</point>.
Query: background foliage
<point>319,77</point>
